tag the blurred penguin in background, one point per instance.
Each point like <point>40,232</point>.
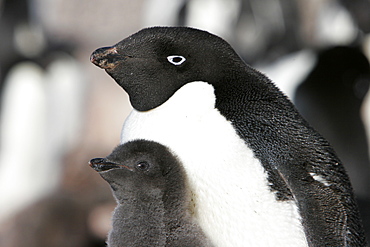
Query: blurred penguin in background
<point>42,91</point>
<point>331,99</point>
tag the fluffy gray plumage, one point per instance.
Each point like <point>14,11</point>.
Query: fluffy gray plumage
<point>150,187</point>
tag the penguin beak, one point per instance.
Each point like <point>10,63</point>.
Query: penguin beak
<point>102,164</point>
<point>107,57</point>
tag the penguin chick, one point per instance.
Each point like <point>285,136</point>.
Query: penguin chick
<point>150,187</point>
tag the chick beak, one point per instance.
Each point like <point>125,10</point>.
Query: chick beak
<point>102,164</point>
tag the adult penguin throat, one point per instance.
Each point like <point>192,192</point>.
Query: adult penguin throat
<point>145,93</point>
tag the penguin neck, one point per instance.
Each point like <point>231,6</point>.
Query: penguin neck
<point>138,222</point>
<point>243,78</point>
<point>176,205</point>
<point>139,199</point>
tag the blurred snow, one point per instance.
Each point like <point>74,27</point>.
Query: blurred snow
<point>289,70</point>
<point>215,16</point>
<point>24,174</point>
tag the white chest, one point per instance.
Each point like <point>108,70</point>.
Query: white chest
<point>233,202</point>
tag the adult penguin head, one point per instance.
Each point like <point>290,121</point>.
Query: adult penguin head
<point>152,64</point>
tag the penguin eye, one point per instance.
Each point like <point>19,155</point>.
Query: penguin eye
<point>176,59</point>
<point>143,165</point>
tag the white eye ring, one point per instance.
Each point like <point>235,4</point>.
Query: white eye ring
<point>176,59</point>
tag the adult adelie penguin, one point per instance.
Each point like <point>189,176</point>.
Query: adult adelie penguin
<point>259,174</point>
<point>151,189</point>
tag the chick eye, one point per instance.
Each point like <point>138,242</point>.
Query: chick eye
<point>143,165</point>
<point>176,59</point>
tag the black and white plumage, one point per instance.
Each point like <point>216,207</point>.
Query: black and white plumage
<point>153,199</point>
<point>261,176</point>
